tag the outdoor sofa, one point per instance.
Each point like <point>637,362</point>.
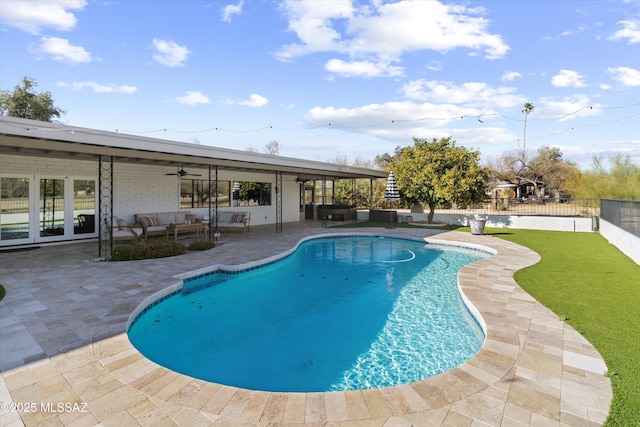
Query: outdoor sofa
<point>155,224</point>
<point>234,220</point>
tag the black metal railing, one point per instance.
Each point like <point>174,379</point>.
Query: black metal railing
<point>622,213</point>
<point>566,207</point>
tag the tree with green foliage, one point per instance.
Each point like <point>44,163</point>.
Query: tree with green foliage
<point>620,181</point>
<point>24,102</point>
<point>440,173</point>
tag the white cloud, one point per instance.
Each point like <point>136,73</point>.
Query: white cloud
<point>510,76</point>
<point>630,31</point>
<point>35,15</point>
<point>231,9</point>
<point>362,68</point>
<point>625,76</point>
<point>472,93</point>
<point>254,101</point>
<point>581,28</point>
<point>568,78</point>
<point>577,106</point>
<point>380,118</point>
<point>401,121</point>
<point>435,66</point>
<point>192,98</point>
<point>375,33</point>
<point>99,88</point>
<point>170,53</point>
<point>63,51</point>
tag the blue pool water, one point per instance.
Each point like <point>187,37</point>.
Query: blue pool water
<point>337,314</point>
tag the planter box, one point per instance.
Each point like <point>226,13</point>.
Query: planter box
<point>477,226</point>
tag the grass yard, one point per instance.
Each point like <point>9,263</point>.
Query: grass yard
<point>596,289</point>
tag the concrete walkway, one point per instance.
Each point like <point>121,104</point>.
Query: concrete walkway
<point>66,360</point>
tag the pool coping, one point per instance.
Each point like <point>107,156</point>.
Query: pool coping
<point>533,369</point>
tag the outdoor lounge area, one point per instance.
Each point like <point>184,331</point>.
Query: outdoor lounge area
<point>533,369</point>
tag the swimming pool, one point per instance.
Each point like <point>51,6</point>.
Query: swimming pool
<point>337,314</point>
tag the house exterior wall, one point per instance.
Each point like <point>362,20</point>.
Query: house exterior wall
<point>25,165</point>
<point>147,189</point>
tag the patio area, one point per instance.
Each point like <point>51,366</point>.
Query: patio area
<point>66,360</point>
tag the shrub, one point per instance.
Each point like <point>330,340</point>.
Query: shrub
<point>200,245</point>
<point>147,250</point>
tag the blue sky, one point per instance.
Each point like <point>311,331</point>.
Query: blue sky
<point>338,78</point>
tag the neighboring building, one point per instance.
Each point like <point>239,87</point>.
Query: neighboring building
<point>60,183</point>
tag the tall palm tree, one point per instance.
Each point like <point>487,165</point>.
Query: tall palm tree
<point>528,108</point>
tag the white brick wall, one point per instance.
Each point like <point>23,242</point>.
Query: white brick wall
<point>146,188</point>
<point>21,165</point>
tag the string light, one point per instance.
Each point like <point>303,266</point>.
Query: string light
<point>362,127</point>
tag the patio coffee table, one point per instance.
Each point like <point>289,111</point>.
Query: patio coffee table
<point>176,229</point>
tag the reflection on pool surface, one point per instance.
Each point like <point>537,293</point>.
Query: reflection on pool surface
<point>337,314</point>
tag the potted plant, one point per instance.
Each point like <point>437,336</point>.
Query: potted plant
<point>477,224</point>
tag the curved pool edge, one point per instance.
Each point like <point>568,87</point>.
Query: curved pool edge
<point>469,390</point>
<point>169,291</point>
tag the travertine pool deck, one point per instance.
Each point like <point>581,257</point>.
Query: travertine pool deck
<point>63,341</point>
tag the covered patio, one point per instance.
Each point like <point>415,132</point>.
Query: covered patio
<point>46,166</point>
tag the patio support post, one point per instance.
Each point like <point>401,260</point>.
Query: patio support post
<point>209,206</point>
<point>324,201</point>
<point>354,196</point>
<point>105,203</point>
<point>278,202</point>
<point>370,194</point>
<point>213,209</point>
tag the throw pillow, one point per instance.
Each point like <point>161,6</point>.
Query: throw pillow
<point>191,218</point>
<point>153,221</point>
<point>122,224</point>
<point>237,217</point>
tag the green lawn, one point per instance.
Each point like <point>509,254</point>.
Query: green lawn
<point>596,289</point>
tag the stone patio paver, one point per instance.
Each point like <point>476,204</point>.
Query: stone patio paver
<point>63,340</point>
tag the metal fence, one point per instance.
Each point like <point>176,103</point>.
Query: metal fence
<point>508,206</point>
<point>622,213</point>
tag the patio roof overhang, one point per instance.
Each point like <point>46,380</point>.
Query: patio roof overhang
<point>43,139</point>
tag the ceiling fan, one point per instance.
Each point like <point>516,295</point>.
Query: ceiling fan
<point>181,172</point>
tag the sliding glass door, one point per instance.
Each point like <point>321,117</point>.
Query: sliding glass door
<point>51,206</point>
<point>14,209</point>
<point>43,209</point>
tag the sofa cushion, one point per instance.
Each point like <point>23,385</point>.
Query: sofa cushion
<point>148,221</point>
<point>140,216</point>
<point>167,218</point>
<point>122,224</point>
<point>180,217</point>
<point>234,224</point>
<point>225,216</point>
